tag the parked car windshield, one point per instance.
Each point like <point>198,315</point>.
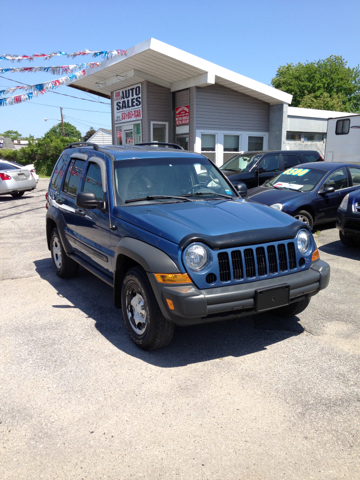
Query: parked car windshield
<point>300,179</point>
<point>192,178</point>
<point>239,162</point>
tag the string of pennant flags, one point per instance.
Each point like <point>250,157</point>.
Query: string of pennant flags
<point>95,53</point>
<point>53,70</point>
<point>39,89</point>
<point>33,91</point>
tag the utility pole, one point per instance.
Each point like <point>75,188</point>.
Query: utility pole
<point>62,121</point>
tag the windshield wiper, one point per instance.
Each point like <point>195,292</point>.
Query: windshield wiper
<point>158,197</point>
<point>229,197</point>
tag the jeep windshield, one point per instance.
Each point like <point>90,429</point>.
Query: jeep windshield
<point>299,179</point>
<point>171,179</point>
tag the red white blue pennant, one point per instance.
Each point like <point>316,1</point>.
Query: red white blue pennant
<point>53,70</point>
<point>95,53</point>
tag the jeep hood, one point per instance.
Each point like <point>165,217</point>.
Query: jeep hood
<point>210,219</point>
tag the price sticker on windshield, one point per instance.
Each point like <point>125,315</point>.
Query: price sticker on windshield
<point>298,172</point>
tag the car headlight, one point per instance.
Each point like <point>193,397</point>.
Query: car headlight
<point>197,257</point>
<point>344,203</point>
<point>277,206</point>
<point>303,241</point>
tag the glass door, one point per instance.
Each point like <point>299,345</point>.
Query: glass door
<point>183,141</point>
<point>129,134</point>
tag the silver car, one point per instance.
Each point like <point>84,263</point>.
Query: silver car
<point>15,181</point>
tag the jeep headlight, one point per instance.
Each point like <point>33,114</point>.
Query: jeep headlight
<point>197,257</point>
<point>344,203</point>
<point>303,241</point>
<point>277,206</point>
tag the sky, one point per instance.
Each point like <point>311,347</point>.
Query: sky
<point>253,38</point>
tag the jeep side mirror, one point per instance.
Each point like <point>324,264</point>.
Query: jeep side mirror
<point>241,189</point>
<point>326,190</point>
<point>88,201</point>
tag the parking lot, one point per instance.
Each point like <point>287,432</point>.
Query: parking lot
<point>256,398</point>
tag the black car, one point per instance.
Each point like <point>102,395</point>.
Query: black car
<point>348,218</point>
<point>311,192</point>
<point>254,168</point>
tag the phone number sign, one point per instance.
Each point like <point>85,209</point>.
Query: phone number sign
<point>127,104</point>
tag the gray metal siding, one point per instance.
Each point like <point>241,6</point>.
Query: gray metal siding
<point>159,105</point>
<point>192,128</point>
<point>220,108</point>
<point>182,98</point>
<point>113,129</point>
<point>145,125</point>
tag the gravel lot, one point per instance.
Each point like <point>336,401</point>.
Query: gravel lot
<point>256,398</point>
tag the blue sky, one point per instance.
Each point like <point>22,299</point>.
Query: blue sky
<point>250,37</point>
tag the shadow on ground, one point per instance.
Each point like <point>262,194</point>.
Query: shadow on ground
<point>339,250</point>
<point>190,345</point>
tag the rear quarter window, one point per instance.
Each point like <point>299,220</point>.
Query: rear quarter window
<point>310,157</point>
<point>58,172</point>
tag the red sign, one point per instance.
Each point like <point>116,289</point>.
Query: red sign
<point>182,115</point>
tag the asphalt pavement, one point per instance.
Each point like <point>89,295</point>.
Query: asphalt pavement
<point>255,398</point>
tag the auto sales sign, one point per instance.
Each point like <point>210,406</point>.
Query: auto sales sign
<point>127,104</point>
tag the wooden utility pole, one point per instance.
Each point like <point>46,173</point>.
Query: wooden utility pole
<point>62,121</point>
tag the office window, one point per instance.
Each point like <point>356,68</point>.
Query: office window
<point>231,143</point>
<point>313,137</point>
<point>207,143</point>
<point>293,136</point>
<point>255,144</point>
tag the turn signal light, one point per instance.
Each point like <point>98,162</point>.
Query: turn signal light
<point>172,278</point>
<point>170,304</point>
<point>315,255</point>
<point>5,176</point>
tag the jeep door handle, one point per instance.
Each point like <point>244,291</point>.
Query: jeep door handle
<point>81,212</point>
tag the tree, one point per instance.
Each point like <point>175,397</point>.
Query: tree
<point>13,134</point>
<point>70,131</point>
<point>89,134</point>
<point>326,84</point>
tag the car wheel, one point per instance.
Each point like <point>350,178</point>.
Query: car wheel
<point>17,194</point>
<point>144,321</point>
<point>65,267</point>
<point>305,217</point>
<point>349,241</point>
<point>292,309</point>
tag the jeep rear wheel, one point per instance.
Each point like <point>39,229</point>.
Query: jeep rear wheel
<point>65,267</point>
<point>143,319</point>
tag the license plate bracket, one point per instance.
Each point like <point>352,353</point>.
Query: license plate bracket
<point>272,297</point>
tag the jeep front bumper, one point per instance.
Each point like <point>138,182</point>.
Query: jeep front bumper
<point>193,306</point>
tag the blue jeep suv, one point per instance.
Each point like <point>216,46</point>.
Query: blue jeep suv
<point>168,231</point>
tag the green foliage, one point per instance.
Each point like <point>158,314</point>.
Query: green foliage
<point>89,134</point>
<point>13,134</point>
<point>326,84</point>
<point>43,153</point>
<point>70,131</point>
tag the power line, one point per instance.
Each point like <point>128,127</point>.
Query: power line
<point>86,124</point>
<point>67,108</point>
<point>57,93</point>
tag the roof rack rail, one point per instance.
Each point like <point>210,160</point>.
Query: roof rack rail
<point>159,144</point>
<point>85,144</point>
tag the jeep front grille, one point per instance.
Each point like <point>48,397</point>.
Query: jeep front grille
<point>251,262</point>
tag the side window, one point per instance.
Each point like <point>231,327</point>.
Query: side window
<point>59,171</point>
<point>355,175</point>
<point>311,157</point>
<point>271,163</point>
<point>291,161</point>
<point>337,179</point>
<point>93,182</point>
<point>73,176</point>
<point>342,127</point>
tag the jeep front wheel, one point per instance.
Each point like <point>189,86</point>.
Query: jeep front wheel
<point>143,319</point>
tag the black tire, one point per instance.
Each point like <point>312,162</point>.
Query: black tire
<point>65,267</point>
<point>154,331</point>
<point>349,241</point>
<point>305,217</point>
<point>17,194</point>
<point>292,309</point>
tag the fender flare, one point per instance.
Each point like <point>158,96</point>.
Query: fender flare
<point>130,252</point>
<point>56,216</point>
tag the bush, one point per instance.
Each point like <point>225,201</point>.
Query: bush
<point>43,154</point>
